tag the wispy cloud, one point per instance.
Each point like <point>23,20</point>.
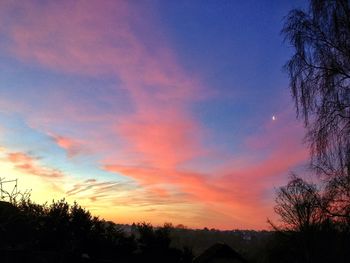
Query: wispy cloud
<point>93,188</point>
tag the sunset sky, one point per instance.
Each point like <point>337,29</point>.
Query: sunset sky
<point>155,111</point>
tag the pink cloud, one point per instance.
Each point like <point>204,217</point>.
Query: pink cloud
<point>71,146</point>
<point>28,164</point>
<point>243,191</point>
<point>69,39</point>
<point>164,140</point>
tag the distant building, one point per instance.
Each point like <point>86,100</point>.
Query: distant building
<point>220,253</point>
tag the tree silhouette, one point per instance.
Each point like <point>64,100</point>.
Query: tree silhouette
<point>297,204</point>
<point>319,72</point>
<point>307,232</point>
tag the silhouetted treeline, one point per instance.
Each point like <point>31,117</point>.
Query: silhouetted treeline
<point>68,233</point>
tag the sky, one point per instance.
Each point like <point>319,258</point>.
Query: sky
<point>150,111</point>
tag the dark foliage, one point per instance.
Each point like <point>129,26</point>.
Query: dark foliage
<point>68,233</point>
<point>325,242</point>
<point>154,245</point>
